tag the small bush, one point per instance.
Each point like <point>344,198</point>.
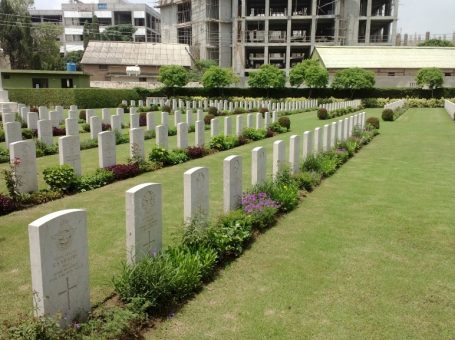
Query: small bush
<point>4,155</point>
<point>105,127</point>
<point>83,115</point>
<point>239,110</point>
<point>323,114</point>
<point>143,119</point>
<point>7,205</point>
<point>212,111</point>
<point>60,178</point>
<point>278,128</point>
<point>124,171</point>
<point>58,131</point>
<point>195,152</point>
<point>45,150</point>
<point>388,115</point>
<point>222,143</point>
<point>172,131</point>
<point>101,178</point>
<point>166,108</point>
<point>2,135</point>
<point>159,155</point>
<point>261,209</point>
<point>89,144</point>
<point>308,180</point>
<point>263,110</point>
<point>285,122</point>
<point>253,134</point>
<point>208,118</point>
<point>178,157</point>
<point>325,164</point>
<point>373,122</point>
<point>28,133</point>
<point>39,197</point>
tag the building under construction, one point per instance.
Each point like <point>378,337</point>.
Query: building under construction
<point>246,34</point>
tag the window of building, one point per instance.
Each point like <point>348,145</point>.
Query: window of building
<point>139,22</point>
<point>184,35</point>
<point>142,79</point>
<point>391,74</point>
<point>6,76</point>
<point>105,21</point>
<point>448,74</point>
<point>103,67</point>
<point>40,83</point>
<point>139,38</point>
<point>67,83</point>
<point>184,12</point>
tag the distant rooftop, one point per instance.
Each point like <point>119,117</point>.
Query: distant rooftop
<point>370,57</point>
<point>131,54</point>
<point>42,72</point>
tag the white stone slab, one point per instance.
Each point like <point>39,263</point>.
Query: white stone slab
<point>69,151</point>
<point>196,194</point>
<point>232,183</point>
<point>23,155</point>
<point>106,149</point>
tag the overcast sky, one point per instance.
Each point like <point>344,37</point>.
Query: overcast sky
<point>415,16</point>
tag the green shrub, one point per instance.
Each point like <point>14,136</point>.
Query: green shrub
<point>4,155</point>
<point>159,155</point>
<point>278,128</point>
<point>166,108</point>
<point>27,134</point>
<point>85,127</point>
<point>100,178</point>
<point>89,144</point>
<point>388,115</point>
<point>45,150</point>
<point>121,138</point>
<point>60,178</point>
<point>308,180</point>
<point>212,111</point>
<point>325,163</point>
<point>372,122</point>
<point>2,135</point>
<point>222,143</point>
<point>208,118</point>
<point>323,114</point>
<point>172,131</point>
<point>253,134</point>
<point>178,157</point>
<point>285,122</point>
<point>167,278</point>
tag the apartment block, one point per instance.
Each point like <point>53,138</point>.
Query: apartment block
<point>246,34</point>
<point>73,15</point>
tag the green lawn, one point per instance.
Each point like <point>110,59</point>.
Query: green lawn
<point>370,254</point>
<point>105,206</point>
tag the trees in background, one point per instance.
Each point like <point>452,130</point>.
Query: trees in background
<point>432,78</point>
<point>354,79</point>
<point>268,77</point>
<point>218,77</point>
<point>173,76</point>
<point>310,73</point>
<point>436,43</point>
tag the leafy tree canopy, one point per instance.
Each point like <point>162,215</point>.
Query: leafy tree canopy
<point>217,77</point>
<point>268,77</point>
<point>431,77</point>
<point>309,72</point>
<point>353,78</point>
<point>173,76</point>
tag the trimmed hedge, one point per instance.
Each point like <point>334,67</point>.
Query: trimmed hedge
<point>98,98</point>
<point>84,98</point>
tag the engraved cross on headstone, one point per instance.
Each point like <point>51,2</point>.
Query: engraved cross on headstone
<point>67,291</point>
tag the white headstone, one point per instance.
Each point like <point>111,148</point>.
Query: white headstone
<point>88,114</point>
<point>71,127</point>
<point>308,148</point>
<point>182,136</point>
<point>23,155</point>
<point>200,115</point>
<point>318,140</point>
<point>54,118</point>
<point>327,136</point>
<point>43,113</point>
<point>13,132</point>
<point>106,116</point>
<point>95,127</point>
<point>144,222</point>
<point>259,121</point>
<point>340,130</point>
<point>258,165</point>
<point>227,126</point>
<point>137,143</point>
<point>59,264</point>
<point>73,114</point>
<point>45,131</point>
<point>150,121</point>
<point>106,149</point>
<point>161,133</point>
<point>32,120</point>
<point>214,127</point>
<point>69,152</point>
<point>232,184</point>
<point>249,121</point>
<point>116,123</point>
<point>165,118</point>
<point>279,157</point>
<point>134,120</point>
<point>196,194</point>
<point>294,153</point>
<point>8,117</point>
<point>238,125</point>
<point>333,135</point>
<point>199,133</point>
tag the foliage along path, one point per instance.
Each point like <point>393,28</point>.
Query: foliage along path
<point>369,254</point>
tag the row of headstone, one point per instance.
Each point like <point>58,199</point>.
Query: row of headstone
<point>395,105</point>
<point>58,241</point>
<point>450,108</point>
<point>341,105</point>
<point>225,105</point>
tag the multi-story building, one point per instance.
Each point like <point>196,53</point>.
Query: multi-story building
<point>73,15</point>
<point>246,34</point>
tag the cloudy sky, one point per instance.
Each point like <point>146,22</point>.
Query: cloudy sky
<point>415,16</point>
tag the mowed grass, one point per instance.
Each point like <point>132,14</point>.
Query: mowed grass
<point>106,217</point>
<point>368,255</point>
